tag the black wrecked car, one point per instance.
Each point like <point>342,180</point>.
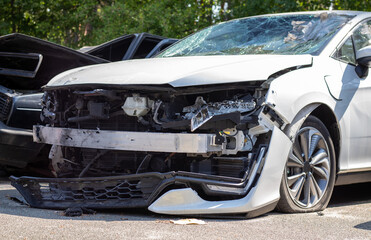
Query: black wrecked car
<point>27,63</point>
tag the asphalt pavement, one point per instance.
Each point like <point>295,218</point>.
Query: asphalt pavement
<point>347,217</point>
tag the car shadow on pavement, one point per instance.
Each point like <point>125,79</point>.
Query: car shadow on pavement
<point>364,226</point>
<point>348,195</point>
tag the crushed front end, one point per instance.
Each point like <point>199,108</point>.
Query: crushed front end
<point>120,147</point>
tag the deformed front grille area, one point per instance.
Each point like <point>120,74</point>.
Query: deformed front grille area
<point>107,192</point>
<point>5,106</point>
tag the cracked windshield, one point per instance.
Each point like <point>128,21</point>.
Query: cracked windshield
<point>289,34</point>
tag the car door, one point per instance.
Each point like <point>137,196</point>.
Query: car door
<point>354,103</point>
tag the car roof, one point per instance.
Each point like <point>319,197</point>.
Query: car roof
<point>341,12</point>
<point>356,14</point>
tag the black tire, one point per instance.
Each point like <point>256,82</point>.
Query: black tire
<point>309,175</point>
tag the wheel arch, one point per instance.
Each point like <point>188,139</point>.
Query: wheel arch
<point>324,113</point>
<point>328,117</point>
<point>322,116</point>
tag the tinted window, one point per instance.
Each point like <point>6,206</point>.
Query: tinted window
<point>346,52</point>
<point>362,35</point>
<point>361,38</point>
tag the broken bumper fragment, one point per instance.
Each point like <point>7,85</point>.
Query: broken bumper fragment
<point>261,198</point>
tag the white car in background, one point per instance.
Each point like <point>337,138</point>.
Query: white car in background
<point>245,116</point>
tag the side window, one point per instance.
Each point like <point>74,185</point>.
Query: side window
<point>362,35</point>
<point>346,52</point>
<point>361,38</point>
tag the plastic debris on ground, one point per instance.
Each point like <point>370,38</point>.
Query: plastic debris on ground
<point>189,221</point>
<point>76,211</point>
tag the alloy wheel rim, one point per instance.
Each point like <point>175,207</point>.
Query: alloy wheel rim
<point>308,168</point>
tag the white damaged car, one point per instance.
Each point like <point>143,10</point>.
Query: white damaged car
<point>245,116</point>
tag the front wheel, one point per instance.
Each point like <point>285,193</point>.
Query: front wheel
<point>309,176</point>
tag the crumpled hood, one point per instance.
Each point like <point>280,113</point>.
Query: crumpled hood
<point>182,71</point>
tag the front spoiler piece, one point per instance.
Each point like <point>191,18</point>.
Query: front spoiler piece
<point>97,193</point>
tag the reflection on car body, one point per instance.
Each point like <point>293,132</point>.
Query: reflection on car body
<point>241,117</point>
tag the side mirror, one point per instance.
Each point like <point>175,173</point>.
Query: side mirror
<point>363,57</point>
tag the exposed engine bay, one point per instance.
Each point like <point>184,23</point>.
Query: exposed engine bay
<point>148,140</point>
<point>229,116</point>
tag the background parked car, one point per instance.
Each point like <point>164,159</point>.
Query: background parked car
<point>28,63</point>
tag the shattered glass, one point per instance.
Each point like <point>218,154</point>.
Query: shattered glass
<point>282,34</point>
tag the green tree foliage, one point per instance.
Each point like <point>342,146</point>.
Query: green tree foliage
<point>173,18</point>
<point>67,22</point>
<point>76,23</point>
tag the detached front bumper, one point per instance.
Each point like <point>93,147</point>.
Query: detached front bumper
<point>260,190</point>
